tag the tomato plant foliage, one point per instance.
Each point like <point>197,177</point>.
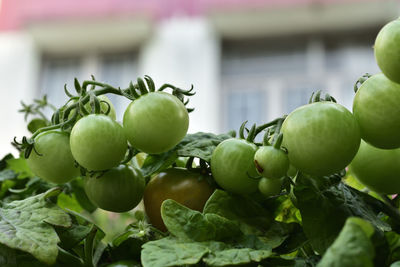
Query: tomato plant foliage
<point>209,200</point>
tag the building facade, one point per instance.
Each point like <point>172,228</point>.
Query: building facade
<point>247,59</point>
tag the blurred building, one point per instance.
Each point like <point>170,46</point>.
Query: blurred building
<point>248,59</point>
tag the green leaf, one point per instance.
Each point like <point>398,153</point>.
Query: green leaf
<point>128,244</point>
<point>251,216</point>
<point>80,195</point>
<point>279,232</point>
<point>236,256</point>
<point>201,145</point>
<point>3,161</point>
<point>156,163</point>
<point>26,225</point>
<point>173,252</point>
<point>394,245</point>
<point>170,252</point>
<point>7,256</point>
<point>352,248</point>
<point>20,167</point>
<point>295,238</point>
<point>68,259</point>
<point>7,174</point>
<point>224,228</point>
<point>325,204</point>
<point>72,235</point>
<point>36,124</point>
<point>185,223</point>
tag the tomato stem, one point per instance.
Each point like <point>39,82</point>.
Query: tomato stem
<point>252,133</point>
<point>278,141</point>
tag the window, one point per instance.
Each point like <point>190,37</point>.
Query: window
<point>56,72</point>
<point>117,69</point>
<point>282,73</point>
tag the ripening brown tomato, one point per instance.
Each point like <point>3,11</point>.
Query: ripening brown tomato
<point>185,187</point>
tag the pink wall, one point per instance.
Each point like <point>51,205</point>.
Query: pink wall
<point>14,14</point>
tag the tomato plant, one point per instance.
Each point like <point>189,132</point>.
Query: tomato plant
<point>377,168</point>
<point>387,50</point>
<point>119,189</point>
<point>269,186</point>
<point>155,122</point>
<point>321,138</point>
<point>98,142</point>
<point>51,159</point>
<point>377,111</point>
<point>232,166</point>
<point>186,187</point>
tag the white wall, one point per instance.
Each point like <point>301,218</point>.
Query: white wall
<point>185,51</point>
<point>18,81</point>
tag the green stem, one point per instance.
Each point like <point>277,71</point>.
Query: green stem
<point>86,98</point>
<point>278,141</point>
<point>260,128</point>
<point>48,128</point>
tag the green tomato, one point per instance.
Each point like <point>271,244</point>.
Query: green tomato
<point>55,162</point>
<point>98,142</point>
<point>119,189</point>
<point>155,122</point>
<point>185,187</point>
<point>270,187</point>
<point>321,138</point>
<point>387,50</point>
<point>378,169</point>
<point>376,108</point>
<point>271,162</point>
<point>232,166</point>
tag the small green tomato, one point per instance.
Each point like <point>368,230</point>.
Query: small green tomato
<point>271,162</point>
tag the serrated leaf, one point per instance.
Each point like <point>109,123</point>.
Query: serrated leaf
<point>27,225</point>
<point>185,223</point>
<point>325,204</point>
<point>236,256</point>
<point>251,216</point>
<point>173,252</point>
<point>201,145</point>
<point>168,252</point>
<point>156,163</point>
<point>352,247</point>
<point>72,235</point>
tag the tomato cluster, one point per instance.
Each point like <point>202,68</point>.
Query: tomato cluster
<point>94,144</point>
<point>321,138</point>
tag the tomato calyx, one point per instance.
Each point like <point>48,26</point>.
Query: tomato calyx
<point>360,81</point>
<point>318,97</point>
<point>141,88</point>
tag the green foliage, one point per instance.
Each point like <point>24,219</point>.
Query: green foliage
<point>352,247</point>
<point>325,204</point>
<point>27,225</point>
